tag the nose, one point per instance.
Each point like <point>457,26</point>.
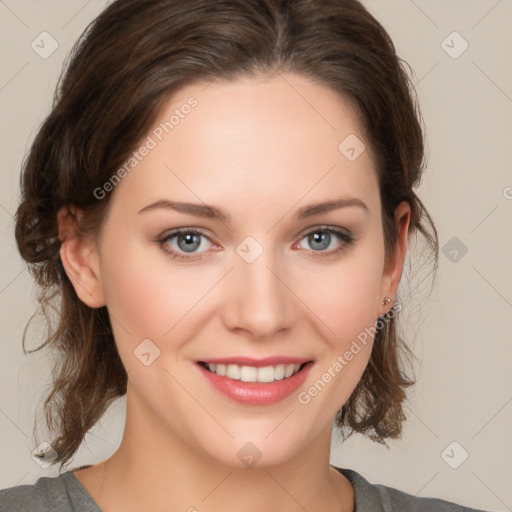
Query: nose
<point>260,300</point>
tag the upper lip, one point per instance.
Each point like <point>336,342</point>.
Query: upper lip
<point>258,363</point>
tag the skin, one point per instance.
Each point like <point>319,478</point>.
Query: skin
<point>260,149</point>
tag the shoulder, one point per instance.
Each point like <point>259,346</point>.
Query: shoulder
<point>58,494</point>
<point>380,498</point>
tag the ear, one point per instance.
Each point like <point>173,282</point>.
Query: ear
<point>394,265</point>
<point>79,256</point>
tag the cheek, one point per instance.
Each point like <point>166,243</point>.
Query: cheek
<point>344,299</point>
<point>345,295</point>
<point>132,299</point>
<point>133,290</point>
<point>147,295</point>
<point>346,304</point>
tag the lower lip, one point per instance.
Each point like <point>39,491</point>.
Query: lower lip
<point>257,393</point>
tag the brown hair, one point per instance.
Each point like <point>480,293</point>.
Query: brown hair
<point>121,71</point>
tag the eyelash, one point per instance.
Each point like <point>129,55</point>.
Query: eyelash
<point>346,238</point>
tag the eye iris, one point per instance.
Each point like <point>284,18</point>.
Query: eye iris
<point>192,241</point>
<point>320,237</point>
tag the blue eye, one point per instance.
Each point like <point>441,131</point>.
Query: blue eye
<point>183,244</point>
<point>322,238</point>
<point>187,241</point>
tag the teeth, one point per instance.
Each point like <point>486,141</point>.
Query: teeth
<point>290,368</point>
<point>266,374</point>
<point>233,371</point>
<point>248,374</point>
<point>253,374</point>
<point>220,370</point>
<point>279,372</point>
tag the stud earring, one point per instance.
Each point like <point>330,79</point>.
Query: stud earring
<point>386,300</point>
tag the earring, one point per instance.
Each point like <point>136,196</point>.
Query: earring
<point>386,300</point>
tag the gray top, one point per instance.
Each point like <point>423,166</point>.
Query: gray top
<point>64,493</point>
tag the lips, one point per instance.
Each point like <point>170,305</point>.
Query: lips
<point>255,382</point>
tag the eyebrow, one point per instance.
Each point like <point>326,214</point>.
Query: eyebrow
<point>211,212</point>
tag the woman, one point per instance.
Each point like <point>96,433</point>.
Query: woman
<point>223,197</point>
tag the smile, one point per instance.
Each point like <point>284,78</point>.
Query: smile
<point>253,373</point>
<point>251,382</point>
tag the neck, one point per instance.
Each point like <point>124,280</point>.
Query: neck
<point>153,469</point>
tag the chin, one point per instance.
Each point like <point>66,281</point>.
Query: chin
<point>260,447</point>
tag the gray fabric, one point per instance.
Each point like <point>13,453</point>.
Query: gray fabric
<point>65,493</point>
<point>380,498</point>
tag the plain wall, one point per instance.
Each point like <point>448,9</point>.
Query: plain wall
<point>460,331</point>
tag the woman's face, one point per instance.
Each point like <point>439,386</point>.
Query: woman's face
<point>258,278</point>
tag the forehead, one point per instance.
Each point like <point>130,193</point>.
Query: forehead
<point>277,138</point>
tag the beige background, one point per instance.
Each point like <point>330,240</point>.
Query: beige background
<point>460,331</point>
